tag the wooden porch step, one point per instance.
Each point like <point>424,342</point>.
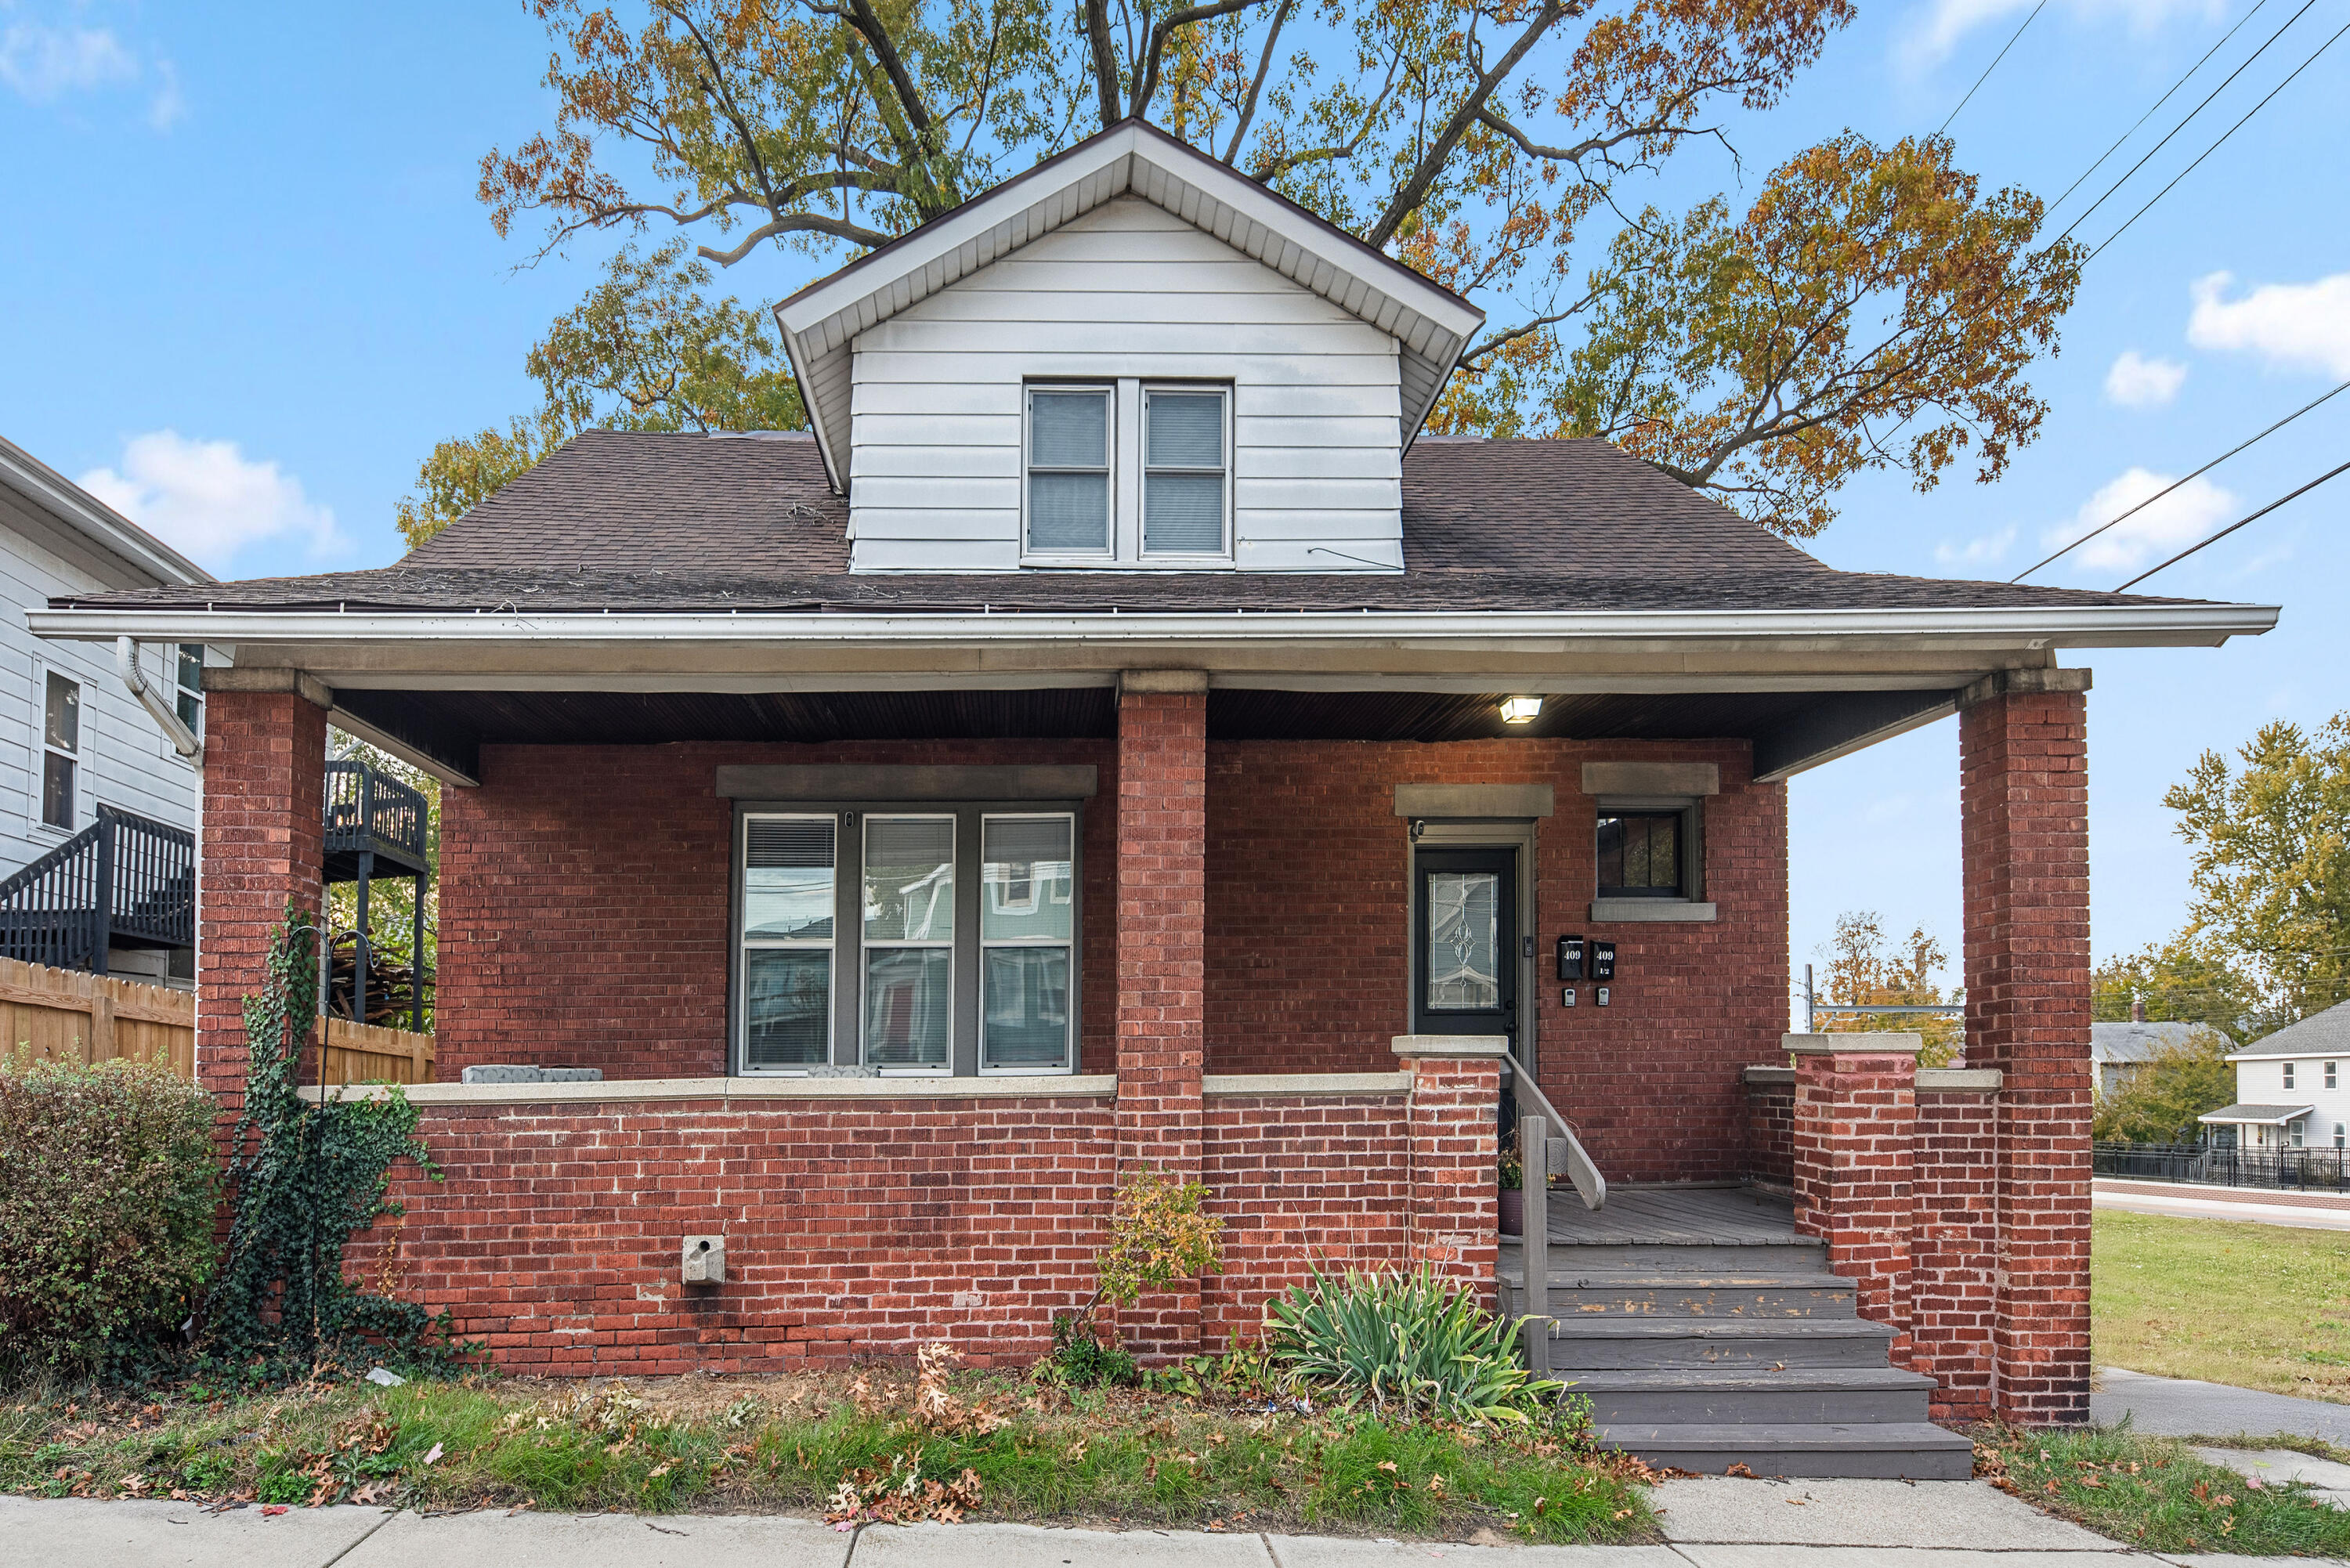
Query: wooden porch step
<point>1896,1450</point>
<point>1743,1397</point>
<point>1658,1344</point>
<point>1750,1294</point>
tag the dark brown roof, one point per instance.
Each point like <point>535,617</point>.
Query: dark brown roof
<point>638,521</point>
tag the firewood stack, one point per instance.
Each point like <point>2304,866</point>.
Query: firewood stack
<point>391,985</point>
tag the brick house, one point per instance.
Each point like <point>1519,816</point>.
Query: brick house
<point>1115,736</point>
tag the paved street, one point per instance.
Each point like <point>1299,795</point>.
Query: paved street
<point>1709,1524</point>
<point>2241,1204</point>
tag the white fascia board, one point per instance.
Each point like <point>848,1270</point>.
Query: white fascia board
<point>2342,1054</point>
<point>2099,626</point>
<point>2221,1119</point>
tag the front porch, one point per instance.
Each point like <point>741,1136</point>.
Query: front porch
<point>1225,965</point>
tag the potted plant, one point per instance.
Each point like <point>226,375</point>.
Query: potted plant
<point>1512,1193</point>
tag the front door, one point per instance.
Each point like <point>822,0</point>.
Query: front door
<point>1465,979</point>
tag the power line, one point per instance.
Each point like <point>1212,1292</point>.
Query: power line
<point>2166,97</point>
<point>2215,147</point>
<point>2175,484</point>
<point>2233,526</point>
<point>2183,124</point>
<point>1991,68</point>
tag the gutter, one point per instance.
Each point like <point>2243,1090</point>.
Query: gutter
<point>2098,626</point>
<point>126,664</point>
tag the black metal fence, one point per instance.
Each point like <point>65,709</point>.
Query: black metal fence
<point>122,876</point>
<point>367,810</point>
<point>2316,1169</point>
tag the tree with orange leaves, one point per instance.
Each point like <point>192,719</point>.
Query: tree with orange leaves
<point>1871,307</point>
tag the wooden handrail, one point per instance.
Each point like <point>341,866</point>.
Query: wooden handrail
<point>1563,1155</point>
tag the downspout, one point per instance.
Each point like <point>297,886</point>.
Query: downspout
<point>183,740</point>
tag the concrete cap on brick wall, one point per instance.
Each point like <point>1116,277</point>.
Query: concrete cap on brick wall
<point>1858,1043</point>
<point>1175,680</point>
<point>1435,1046</point>
<point>2020,682</point>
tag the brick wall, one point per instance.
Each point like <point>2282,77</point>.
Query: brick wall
<point>2024,848</point>
<point>583,907</point>
<point>1771,1133</point>
<point>1308,968</point>
<point>264,843</point>
<point>1302,1183</point>
<point>1954,1250</point>
<point>1856,1128</point>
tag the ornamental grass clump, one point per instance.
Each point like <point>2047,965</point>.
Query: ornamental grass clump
<point>107,1187</point>
<point>1410,1345</point>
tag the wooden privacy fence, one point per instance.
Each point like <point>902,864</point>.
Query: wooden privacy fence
<point>70,1015</point>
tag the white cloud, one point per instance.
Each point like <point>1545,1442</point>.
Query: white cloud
<point>1985,551</point>
<point>210,501</point>
<point>2137,382</point>
<point>45,63</point>
<point>1938,29</point>
<point>2171,524</point>
<point>2297,325</point>
<point>169,106</point>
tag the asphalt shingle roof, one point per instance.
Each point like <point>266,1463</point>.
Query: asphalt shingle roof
<point>631,521</point>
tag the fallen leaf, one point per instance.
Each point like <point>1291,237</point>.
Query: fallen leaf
<point>434,1456</point>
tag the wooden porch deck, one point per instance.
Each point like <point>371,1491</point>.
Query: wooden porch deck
<point>1673,1216</point>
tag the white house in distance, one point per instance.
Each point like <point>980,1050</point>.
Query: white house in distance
<point>81,756</point>
<point>2292,1088</point>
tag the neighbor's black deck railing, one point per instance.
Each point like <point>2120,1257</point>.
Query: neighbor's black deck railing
<point>123,877</point>
<point>2320,1170</point>
<point>369,811</point>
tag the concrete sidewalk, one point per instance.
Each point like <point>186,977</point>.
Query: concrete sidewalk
<point>1708,1523</point>
<point>2184,1201</point>
<point>2183,1407</point>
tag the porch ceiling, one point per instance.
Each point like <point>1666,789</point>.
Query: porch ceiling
<point>1788,729</point>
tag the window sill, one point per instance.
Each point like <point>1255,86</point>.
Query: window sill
<point>629,1090</point>
<point>1138,564</point>
<point>1633,910</point>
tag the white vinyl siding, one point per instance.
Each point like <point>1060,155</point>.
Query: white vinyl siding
<point>1130,291</point>
<point>124,761</point>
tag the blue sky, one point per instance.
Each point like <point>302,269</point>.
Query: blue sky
<point>246,286</point>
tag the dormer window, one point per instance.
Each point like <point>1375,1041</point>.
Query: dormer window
<point>1068,470</point>
<point>1183,472</point>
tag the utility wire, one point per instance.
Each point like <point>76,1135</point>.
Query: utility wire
<point>2166,97</point>
<point>2233,526</point>
<point>2183,124</point>
<point>2207,152</point>
<point>2175,484</point>
<point>1991,68</point>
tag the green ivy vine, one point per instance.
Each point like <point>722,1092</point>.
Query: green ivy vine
<point>304,1177</point>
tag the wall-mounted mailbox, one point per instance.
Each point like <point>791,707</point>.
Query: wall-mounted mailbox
<point>1570,960</point>
<point>1603,961</point>
<point>705,1259</point>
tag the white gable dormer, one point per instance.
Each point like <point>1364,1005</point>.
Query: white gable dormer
<point>1132,359</point>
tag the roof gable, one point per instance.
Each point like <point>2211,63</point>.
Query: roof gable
<point>1430,324</point>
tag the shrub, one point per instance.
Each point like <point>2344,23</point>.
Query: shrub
<point>2162,1097</point>
<point>1158,1232</point>
<point>1408,1342</point>
<point>107,1188</point>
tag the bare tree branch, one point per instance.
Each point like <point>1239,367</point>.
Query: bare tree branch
<point>1156,45</point>
<point>1256,82</point>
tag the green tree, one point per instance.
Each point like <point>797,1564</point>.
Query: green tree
<point>2180,982</point>
<point>1866,967</point>
<point>2270,840</point>
<point>1871,307</point>
<point>391,901</point>
<point>2159,1100</point>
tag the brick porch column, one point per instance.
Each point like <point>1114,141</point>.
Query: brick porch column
<point>2024,848</point>
<point>1856,1129</point>
<point>1456,1082</point>
<point>263,842</point>
<point>1163,908</point>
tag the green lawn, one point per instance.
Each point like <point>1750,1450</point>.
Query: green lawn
<point>2255,1307</point>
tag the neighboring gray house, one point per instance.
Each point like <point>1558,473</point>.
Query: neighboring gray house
<point>2118,1050</point>
<point>82,757</point>
<point>2291,1091</point>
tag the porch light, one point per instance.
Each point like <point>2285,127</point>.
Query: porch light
<point>1520,710</point>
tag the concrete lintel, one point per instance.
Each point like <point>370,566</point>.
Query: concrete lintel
<point>1859,1043</point>
<point>633,1090</point>
<point>228,678</point>
<point>1453,1047</point>
<point>1960,1080</point>
<point>1175,680</point>
<point>1683,779</point>
<point>2016,683</point>
<point>1475,801</point>
<point>1768,1077</point>
<point>788,782</point>
<point>1305,1082</point>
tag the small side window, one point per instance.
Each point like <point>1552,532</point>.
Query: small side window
<point>1641,854</point>
<point>60,750</point>
<point>1182,473</point>
<point>191,682</point>
<point>2333,1078</point>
